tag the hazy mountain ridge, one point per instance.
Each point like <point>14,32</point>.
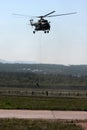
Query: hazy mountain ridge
<point>13,62</point>
<point>75,70</point>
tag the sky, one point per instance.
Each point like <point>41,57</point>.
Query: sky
<point>65,44</point>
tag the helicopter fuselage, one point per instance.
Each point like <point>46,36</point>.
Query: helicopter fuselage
<point>41,25</point>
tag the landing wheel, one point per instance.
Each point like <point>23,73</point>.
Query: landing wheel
<point>44,31</point>
<point>33,32</point>
<point>47,31</point>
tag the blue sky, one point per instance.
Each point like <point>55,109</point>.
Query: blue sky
<point>65,44</point>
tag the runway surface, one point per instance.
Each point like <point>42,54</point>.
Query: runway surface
<point>43,114</point>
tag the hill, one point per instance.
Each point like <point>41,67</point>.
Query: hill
<point>75,70</point>
<point>73,77</point>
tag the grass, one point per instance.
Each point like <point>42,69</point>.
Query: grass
<point>43,103</point>
<point>20,124</point>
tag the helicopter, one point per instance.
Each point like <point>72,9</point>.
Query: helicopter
<point>43,24</point>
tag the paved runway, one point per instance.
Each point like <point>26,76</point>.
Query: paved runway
<point>43,114</point>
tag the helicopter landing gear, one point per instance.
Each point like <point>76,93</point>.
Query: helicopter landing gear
<point>46,31</point>
<point>33,32</point>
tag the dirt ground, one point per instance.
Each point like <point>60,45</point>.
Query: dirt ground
<point>83,125</point>
<point>79,117</point>
<point>44,114</point>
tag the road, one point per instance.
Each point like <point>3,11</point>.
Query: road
<point>43,114</point>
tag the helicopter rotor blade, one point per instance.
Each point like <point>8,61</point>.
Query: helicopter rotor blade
<point>45,15</point>
<point>22,15</point>
<point>49,13</point>
<point>62,14</point>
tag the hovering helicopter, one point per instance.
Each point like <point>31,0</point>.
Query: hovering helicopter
<point>43,24</point>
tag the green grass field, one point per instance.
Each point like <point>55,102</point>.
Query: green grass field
<point>17,124</point>
<point>43,103</point>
